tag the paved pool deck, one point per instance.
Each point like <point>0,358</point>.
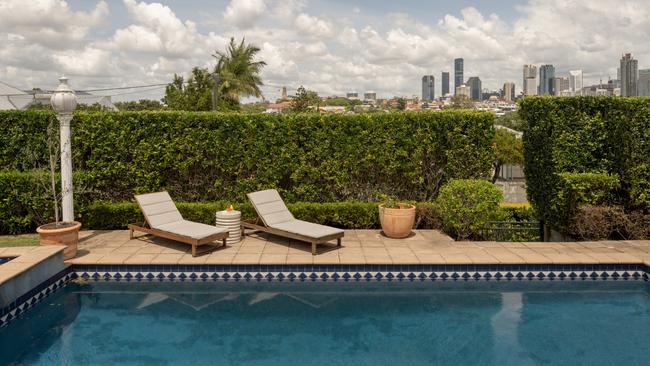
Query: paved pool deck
<point>358,247</point>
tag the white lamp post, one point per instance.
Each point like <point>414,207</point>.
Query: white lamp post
<point>64,102</point>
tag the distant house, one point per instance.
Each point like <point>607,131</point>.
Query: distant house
<point>332,109</point>
<point>277,107</point>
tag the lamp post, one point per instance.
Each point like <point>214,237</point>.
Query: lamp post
<point>64,102</point>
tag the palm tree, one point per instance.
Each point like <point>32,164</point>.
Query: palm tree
<point>238,72</point>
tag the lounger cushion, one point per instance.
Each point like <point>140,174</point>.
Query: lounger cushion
<point>158,209</point>
<point>270,207</point>
<point>191,229</point>
<point>308,229</point>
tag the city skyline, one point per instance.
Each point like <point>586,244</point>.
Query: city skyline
<point>329,48</point>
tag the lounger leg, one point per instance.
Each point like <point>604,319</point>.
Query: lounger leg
<point>224,242</point>
<point>130,234</point>
<point>313,248</point>
<point>338,242</point>
<point>193,250</point>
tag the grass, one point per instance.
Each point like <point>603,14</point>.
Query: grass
<point>19,240</point>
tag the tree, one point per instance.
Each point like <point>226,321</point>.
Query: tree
<point>511,120</point>
<point>239,73</point>
<point>303,100</point>
<point>461,102</point>
<point>401,104</point>
<point>193,95</point>
<point>508,149</point>
<point>140,105</point>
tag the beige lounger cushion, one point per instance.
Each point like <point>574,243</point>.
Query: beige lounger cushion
<point>161,213</point>
<point>191,229</point>
<point>270,207</point>
<point>307,229</point>
<point>274,213</point>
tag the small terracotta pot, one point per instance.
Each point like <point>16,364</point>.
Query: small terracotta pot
<point>65,233</point>
<point>397,222</point>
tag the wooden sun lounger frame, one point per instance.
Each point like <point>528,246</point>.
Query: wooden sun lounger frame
<point>181,238</point>
<point>258,225</point>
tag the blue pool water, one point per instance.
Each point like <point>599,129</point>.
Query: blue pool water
<point>567,323</point>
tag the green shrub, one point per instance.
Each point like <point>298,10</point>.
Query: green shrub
<point>576,189</point>
<point>199,156</point>
<point>466,205</point>
<point>586,134</point>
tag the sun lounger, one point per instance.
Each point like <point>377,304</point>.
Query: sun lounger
<point>274,218</point>
<point>162,219</point>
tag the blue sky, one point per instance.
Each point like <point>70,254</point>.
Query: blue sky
<point>330,46</point>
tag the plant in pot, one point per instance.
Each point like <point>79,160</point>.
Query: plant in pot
<point>58,232</point>
<point>396,218</point>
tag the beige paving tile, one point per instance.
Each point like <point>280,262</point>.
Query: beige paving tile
<point>378,259</point>
<point>273,259</point>
<point>426,258</point>
<point>150,249</point>
<point>114,258</point>
<point>188,259</point>
<point>256,249</point>
<point>352,258</point>
<point>454,258</point>
<point>405,259</point>
<point>327,258</point>
<point>246,258</point>
<point>220,257</point>
<point>167,258</point>
<point>140,259</point>
<point>276,249</point>
<point>372,244</point>
<point>299,258</point>
<point>124,250</point>
<point>89,258</point>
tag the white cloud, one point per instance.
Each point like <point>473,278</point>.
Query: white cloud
<point>244,13</point>
<point>313,26</point>
<point>331,50</point>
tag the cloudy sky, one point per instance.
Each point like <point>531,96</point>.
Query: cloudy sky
<point>331,46</point>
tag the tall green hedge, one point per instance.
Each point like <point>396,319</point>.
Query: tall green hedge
<point>609,135</point>
<point>308,157</point>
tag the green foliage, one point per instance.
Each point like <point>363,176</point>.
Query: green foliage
<point>461,102</point>
<point>308,157</point>
<point>193,95</point>
<point>239,72</point>
<point>576,189</point>
<point>341,101</point>
<point>348,214</point>
<point>303,100</point>
<point>511,120</point>
<point>466,205</point>
<point>401,104</point>
<point>508,149</point>
<point>586,134</point>
<point>140,105</point>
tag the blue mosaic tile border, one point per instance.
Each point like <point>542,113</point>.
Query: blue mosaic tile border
<point>34,296</point>
<point>570,272</point>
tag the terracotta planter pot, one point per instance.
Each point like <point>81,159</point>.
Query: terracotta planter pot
<point>65,233</point>
<point>397,222</point>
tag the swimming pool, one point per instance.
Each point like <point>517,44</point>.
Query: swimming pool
<point>324,323</point>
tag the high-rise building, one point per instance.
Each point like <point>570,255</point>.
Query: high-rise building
<point>530,80</point>
<point>560,85</point>
<point>575,82</point>
<point>352,95</point>
<point>458,72</point>
<point>546,80</point>
<point>284,92</point>
<point>462,90</point>
<point>509,92</point>
<point>644,83</point>
<point>445,83</point>
<point>475,91</point>
<point>428,88</point>
<point>629,75</point>
<point>370,96</point>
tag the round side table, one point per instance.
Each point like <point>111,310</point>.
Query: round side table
<point>230,220</point>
